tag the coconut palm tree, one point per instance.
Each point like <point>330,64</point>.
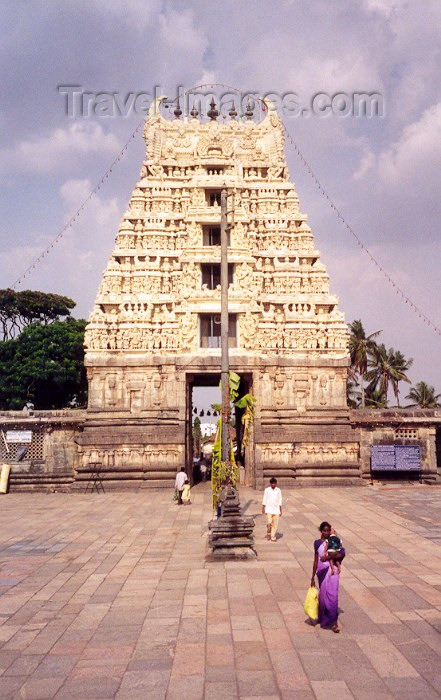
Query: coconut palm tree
<point>387,368</point>
<point>401,365</point>
<point>375,398</point>
<point>352,395</point>
<point>360,347</point>
<point>423,396</point>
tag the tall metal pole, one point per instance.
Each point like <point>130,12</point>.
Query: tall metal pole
<point>225,369</point>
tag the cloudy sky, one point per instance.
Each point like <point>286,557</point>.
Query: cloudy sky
<point>383,173</point>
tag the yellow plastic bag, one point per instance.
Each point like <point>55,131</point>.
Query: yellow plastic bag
<point>311,604</point>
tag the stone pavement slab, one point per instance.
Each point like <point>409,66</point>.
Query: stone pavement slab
<point>112,596</point>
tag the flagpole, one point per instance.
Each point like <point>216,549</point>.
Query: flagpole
<point>225,369</point>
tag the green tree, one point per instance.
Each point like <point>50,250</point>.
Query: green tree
<point>388,367</point>
<point>44,365</point>
<point>352,394</point>
<point>361,346</point>
<point>375,398</point>
<point>424,396</point>
<point>19,309</point>
<point>247,403</point>
<point>221,471</point>
<point>401,365</point>
<point>197,436</point>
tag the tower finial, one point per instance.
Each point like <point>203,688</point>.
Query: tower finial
<point>249,110</point>
<point>213,112</point>
<point>194,112</point>
<point>233,112</point>
<point>178,111</point>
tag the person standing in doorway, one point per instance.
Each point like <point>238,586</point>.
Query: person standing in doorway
<point>272,506</point>
<point>179,484</point>
<point>203,469</point>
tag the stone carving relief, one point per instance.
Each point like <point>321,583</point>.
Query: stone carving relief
<point>243,276</point>
<point>215,144</point>
<point>280,288</point>
<point>248,328</point>
<point>279,382</point>
<point>148,457</point>
<point>295,455</point>
<point>328,452</point>
<point>190,279</point>
<point>194,234</point>
<point>278,453</point>
<point>188,329</point>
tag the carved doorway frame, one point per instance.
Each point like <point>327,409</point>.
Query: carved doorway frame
<point>193,379</point>
<point>212,378</point>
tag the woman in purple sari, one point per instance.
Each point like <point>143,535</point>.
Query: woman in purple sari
<point>328,581</point>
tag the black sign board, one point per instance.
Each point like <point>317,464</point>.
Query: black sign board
<point>403,458</point>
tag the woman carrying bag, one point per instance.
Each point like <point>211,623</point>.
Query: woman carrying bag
<point>328,581</point>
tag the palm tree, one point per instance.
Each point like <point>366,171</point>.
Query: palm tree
<point>352,395</point>
<point>400,367</point>
<point>375,398</point>
<point>360,347</point>
<point>423,396</point>
<point>387,367</point>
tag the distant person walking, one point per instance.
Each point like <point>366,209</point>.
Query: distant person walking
<point>272,506</point>
<point>203,469</point>
<point>179,484</point>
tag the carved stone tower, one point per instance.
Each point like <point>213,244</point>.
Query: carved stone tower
<point>155,327</point>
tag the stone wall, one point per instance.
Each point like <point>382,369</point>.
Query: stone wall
<point>327,447</point>
<point>399,426</point>
<point>135,452</point>
<point>52,456</point>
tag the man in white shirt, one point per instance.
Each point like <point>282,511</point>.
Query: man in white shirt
<point>272,506</point>
<point>179,484</point>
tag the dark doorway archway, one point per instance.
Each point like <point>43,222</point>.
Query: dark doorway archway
<point>199,406</point>
<point>195,451</point>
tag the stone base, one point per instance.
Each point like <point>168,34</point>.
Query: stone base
<point>24,481</point>
<point>232,553</point>
<point>320,481</point>
<point>123,479</point>
<point>231,534</point>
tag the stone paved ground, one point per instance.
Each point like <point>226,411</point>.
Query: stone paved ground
<point>111,596</point>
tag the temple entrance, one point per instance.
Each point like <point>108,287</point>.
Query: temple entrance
<point>203,398</point>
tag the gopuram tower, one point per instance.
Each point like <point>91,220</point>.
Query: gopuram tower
<point>154,332</point>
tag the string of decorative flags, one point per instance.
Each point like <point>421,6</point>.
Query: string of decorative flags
<point>321,189</point>
<point>75,216</point>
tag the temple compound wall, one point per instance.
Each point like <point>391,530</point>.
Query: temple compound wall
<point>53,461</point>
<point>401,427</point>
